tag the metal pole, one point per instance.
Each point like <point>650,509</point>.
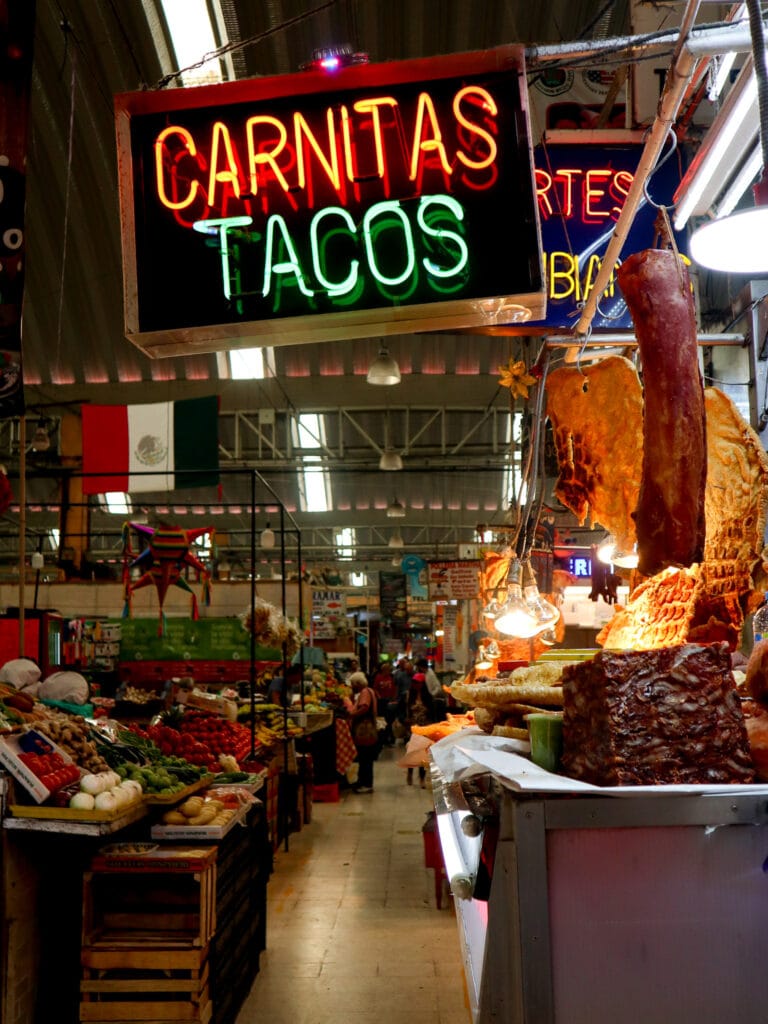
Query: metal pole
<point>703,42</point>
<point>252,671</point>
<point>22,527</point>
<point>680,72</point>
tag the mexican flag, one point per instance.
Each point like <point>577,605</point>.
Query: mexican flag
<point>160,446</point>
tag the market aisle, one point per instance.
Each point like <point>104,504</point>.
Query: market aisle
<point>353,933</point>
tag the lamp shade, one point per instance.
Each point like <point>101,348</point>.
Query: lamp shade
<point>384,369</point>
<point>395,510</point>
<point>396,540</point>
<point>267,539</point>
<point>735,244</point>
<point>390,460</point>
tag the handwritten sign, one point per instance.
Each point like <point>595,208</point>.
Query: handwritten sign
<point>457,581</point>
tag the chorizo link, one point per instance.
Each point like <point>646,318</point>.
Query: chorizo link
<point>670,511</point>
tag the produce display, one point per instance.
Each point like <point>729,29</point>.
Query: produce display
<point>271,725</point>
<point>199,738</point>
<point>198,811</point>
<point>106,791</point>
<point>49,766</point>
<point>135,695</point>
<point>73,734</point>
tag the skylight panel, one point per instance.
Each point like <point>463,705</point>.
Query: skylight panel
<point>250,363</point>
<point>192,36</point>
<point>314,485</point>
<point>118,503</point>
<point>345,542</point>
<point>308,432</point>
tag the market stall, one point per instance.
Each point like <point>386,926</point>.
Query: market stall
<point>644,905</point>
<point>162,844</point>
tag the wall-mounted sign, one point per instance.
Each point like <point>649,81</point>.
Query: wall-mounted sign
<point>329,614</point>
<point>393,599</point>
<point>381,199</point>
<point>457,581</point>
<point>580,192</point>
<point>580,566</point>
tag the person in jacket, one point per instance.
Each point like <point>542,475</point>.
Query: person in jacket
<point>362,723</point>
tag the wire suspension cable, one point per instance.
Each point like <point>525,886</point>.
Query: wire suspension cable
<point>241,44</point>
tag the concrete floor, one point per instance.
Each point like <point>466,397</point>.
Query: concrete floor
<point>353,932</point>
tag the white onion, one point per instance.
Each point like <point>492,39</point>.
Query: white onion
<point>93,784</point>
<point>82,801</point>
<point>106,802</point>
<point>121,796</point>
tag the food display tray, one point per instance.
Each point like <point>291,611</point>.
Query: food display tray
<point>74,813</point>
<point>253,783</point>
<point>198,833</point>
<point>10,749</point>
<point>182,794</point>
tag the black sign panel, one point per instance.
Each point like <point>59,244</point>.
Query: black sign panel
<point>381,199</point>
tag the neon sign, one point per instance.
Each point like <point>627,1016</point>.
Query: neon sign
<point>299,208</point>
<point>580,191</point>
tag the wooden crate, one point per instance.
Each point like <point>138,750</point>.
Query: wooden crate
<point>161,910</point>
<point>145,994</point>
<point>145,985</point>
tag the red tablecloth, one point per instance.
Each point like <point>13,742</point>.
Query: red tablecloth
<point>346,751</point>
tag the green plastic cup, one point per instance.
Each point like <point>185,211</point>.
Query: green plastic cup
<point>545,731</point>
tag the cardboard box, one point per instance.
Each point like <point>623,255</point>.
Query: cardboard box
<point>10,748</point>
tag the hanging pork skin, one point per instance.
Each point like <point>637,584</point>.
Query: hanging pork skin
<point>670,512</point>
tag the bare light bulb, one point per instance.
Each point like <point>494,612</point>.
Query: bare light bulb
<point>545,612</point>
<point>515,617</point>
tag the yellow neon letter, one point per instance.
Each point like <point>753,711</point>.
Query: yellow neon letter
<point>372,107</point>
<point>331,167</point>
<point>221,137</point>
<point>268,156</point>
<point>426,110</point>
<point>569,275</point>
<point>189,143</point>
<point>593,268</point>
<point>489,106</point>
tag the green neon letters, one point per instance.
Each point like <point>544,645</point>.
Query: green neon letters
<point>393,246</point>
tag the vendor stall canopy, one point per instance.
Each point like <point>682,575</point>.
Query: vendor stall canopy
<point>336,450</point>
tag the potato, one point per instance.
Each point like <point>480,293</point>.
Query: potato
<point>174,818</point>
